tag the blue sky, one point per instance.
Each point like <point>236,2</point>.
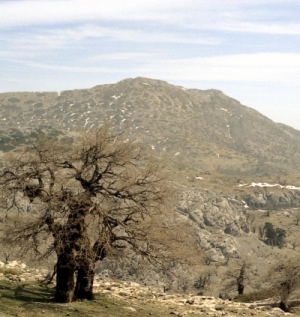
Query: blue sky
<point>249,49</point>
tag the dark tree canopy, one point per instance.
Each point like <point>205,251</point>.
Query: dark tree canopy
<point>275,236</point>
<point>99,196</point>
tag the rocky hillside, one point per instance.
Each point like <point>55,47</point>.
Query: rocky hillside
<point>220,219</point>
<point>21,296</point>
<point>202,128</point>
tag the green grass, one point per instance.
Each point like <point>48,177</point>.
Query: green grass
<point>34,300</point>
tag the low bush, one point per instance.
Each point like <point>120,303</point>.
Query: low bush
<point>9,272</point>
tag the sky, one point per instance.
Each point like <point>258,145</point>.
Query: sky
<point>249,49</point>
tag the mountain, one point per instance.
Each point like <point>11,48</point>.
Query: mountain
<point>192,132</point>
<point>202,128</point>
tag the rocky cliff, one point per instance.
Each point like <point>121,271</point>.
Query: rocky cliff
<point>273,201</point>
<point>220,219</point>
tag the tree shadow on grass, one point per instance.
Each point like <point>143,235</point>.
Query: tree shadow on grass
<point>27,292</point>
<point>36,298</point>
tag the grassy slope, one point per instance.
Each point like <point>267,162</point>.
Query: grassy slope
<point>33,300</point>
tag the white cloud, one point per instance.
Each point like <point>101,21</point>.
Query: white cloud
<point>121,56</point>
<point>250,27</point>
<point>202,13</point>
<point>70,69</point>
<point>138,36</point>
<point>80,37</point>
<point>260,67</point>
<point>16,13</point>
<point>60,37</point>
<point>267,68</point>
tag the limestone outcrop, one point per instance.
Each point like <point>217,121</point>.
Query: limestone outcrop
<point>272,200</point>
<point>220,220</point>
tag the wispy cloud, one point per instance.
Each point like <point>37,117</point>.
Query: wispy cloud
<point>242,68</point>
<point>206,13</point>
<point>17,13</point>
<point>81,37</point>
<point>261,67</point>
<point>122,57</point>
<point>263,28</point>
<point>70,69</point>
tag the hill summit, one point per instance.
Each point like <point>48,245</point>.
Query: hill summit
<point>201,128</point>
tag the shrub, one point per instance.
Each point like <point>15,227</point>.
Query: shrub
<point>9,272</point>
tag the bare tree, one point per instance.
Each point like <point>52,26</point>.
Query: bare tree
<point>294,242</point>
<point>250,217</point>
<point>285,277</point>
<point>236,277</point>
<point>253,228</point>
<point>203,278</point>
<point>297,217</point>
<point>96,197</point>
<point>261,232</point>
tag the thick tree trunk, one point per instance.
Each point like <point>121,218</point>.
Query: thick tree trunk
<point>240,289</point>
<point>284,306</point>
<point>64,283</point>
<point>84,283</point>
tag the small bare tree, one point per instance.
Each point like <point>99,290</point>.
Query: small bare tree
<point>285,277</point>
<point>99,196</point>
<point>236,277</point>
<point>297,217</point>
<point>203,278</point>
<point>293,241</point>
<point>261,232</point>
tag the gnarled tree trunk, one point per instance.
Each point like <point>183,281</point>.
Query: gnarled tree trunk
<point>85,272</point>
<point>64,282</point>
<point>284,306</point>
<point>84,283</point>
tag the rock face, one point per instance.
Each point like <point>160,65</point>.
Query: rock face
<point>220,220</point>
<point>273,201</point>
